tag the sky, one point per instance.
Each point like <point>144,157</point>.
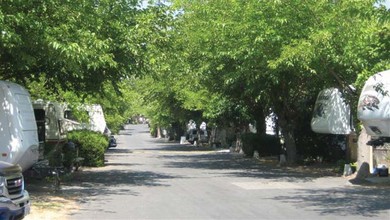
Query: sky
<point>387,4</point>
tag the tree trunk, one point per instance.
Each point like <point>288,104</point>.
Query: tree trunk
<point>260,124</point>
<point>291,148</point>
<point>289,139</point>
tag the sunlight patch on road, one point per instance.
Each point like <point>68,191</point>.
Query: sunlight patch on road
<point>266,185</point>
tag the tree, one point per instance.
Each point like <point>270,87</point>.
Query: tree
<point>78,46</point>
<point>278,55</point>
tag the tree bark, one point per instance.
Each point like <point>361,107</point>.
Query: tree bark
<point>289,138</point>
<point>291,147</point>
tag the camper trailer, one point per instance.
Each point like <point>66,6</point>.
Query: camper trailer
<point>97,122</point>
<point>51,124</point>
<point>374,112</point>
<point>70,122</point>
<point>18,148</point>
<point>18,133</point>
<point>374,105</point>
<point>331,113</point>
<point>50,121</point>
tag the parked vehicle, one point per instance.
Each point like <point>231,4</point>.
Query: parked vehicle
<point>14,199</point>
<point>192,132</point>
<point>51,124</point>
<point>373,106</point>
<point>111,141</point>
<point>18,134</point>
<point>332,114</point>
<point>50,115</point>
<point>97,122</point>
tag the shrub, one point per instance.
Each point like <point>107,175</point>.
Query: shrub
<point>91,145</point>
<point>265,145</point>
<point>248,143</point>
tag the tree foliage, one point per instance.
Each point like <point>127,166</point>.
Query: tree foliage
<point>78,46</point>
<point>277,55</point>
<point>225,61</point>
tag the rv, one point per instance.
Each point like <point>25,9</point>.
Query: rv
<point>50,121</point>
<point>18,148</point>
<point>373,107</point>
<point>18,129</point>
<point>332,114</point>
<point>97,122</point>
<point>374,113</point>
<point>51,124</point>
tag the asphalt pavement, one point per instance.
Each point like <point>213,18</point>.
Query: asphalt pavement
<point>150,178</point>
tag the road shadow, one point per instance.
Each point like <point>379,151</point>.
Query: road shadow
<point>112,151</point>
<point>126,132</point>
<point>237,165</point>
<point>359,201</point>
<point>163,145</point>
<point>233,164</point>
<point>324,199</point>
<point>92,184</point>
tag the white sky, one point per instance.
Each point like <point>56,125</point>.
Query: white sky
<point>387,3</point>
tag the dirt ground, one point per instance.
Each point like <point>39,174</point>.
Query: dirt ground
<point>48,203</point>
<point>50,208</point>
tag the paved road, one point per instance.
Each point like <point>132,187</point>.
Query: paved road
<point>146,178</point>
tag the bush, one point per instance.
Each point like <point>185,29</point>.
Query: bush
<point>265,145</point>
<point>248,144</point>
<point>91,145</point>
<point>53,153</point>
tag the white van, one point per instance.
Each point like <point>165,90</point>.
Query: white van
<point>18,129</point>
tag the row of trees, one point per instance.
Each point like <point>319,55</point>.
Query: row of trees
<point>235,61</point>
<point>223,61</point>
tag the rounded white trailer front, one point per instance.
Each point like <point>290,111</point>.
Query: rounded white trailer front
<point>18,130</point>
<point>331,113</point>
<point>97,122</point>
<point>374,105</point>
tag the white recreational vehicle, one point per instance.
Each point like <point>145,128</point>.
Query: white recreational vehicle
<point>18,129</point>
<point>374,105</point>
<point>18,148</point>
<point>374,112</point>
<point>50,121</point>
<point>332,114</point>
<point>97,122</point>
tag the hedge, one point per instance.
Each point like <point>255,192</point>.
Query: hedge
<point>92,146</point>
<point>265,145</point>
